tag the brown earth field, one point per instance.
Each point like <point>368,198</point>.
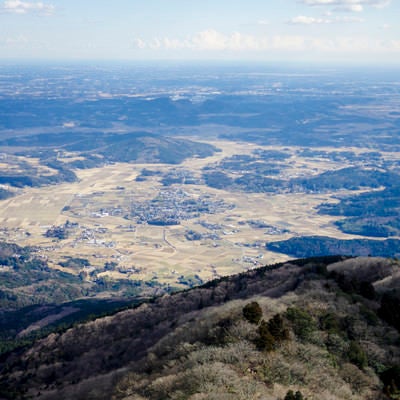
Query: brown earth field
<point>101,198</point>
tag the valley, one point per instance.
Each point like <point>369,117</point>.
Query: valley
<point>124,183</point>
<point>199,200</point>
<point>162,222</point>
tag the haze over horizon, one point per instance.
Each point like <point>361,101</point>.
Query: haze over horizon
<point>334,31</point>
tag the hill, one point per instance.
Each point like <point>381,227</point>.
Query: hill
<point>314,246</point>
<point>325,328</point>
<point>42,159</point>
<point>27,280</point>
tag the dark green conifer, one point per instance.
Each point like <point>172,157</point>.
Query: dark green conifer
<point>252,312</point>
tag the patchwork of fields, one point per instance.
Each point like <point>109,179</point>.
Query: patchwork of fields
<point>97,211</point>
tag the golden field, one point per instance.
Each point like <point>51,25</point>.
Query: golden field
<point>144,251</point>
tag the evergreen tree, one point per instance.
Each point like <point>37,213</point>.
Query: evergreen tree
<point>252,312</point>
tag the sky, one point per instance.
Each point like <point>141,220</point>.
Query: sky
<point>342,31</point>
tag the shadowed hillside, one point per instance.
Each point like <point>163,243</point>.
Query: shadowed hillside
<point>49,149</point>
<point>322,328</point>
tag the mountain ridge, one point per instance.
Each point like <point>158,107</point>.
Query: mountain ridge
<point>98,358</point>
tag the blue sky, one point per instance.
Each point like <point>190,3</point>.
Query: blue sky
<point>364,31</point>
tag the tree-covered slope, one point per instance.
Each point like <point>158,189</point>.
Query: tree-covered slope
<point>92,150</point>
<point>314,246</point>
<point>324,328</point>
<point>370,214</point>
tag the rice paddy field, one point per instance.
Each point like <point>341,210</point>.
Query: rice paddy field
<point>98,211</point>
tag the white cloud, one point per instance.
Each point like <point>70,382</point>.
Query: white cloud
<point>210,40</point>
<point>348,5</point>
<point>25,7</point>
<point>20,40</point>
<point>347,20</point>
<point>139,43</point>
<point>303,20</point>
<point>394,45</point>
<point>213,41</point>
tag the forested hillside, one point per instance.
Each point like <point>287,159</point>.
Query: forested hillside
<point>321,328</point>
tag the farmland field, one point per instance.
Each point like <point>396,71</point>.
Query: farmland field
<point>96,206</point>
